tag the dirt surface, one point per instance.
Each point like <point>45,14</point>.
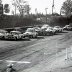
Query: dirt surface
<point>44,54</point>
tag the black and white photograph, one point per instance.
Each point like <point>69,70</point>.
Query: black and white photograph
<point>35,35</point>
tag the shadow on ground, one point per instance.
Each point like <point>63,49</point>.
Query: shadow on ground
<point>15,40</point>
<point>40,37</point>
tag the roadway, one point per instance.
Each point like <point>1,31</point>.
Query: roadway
<point>35,55</point>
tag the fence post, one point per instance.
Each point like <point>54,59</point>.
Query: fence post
<point>66,54</point>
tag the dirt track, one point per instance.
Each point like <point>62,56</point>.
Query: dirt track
<point>43,54</point>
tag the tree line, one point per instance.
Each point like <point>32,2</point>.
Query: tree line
<point>55,19</point>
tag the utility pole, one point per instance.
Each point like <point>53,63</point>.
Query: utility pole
<point>0,1</point>
<point>1,8</point>
<point>15,9</point>
<point>53,7</point>
<point>14,3</point>
<point>60,11</point>
<point>46,14</point>
<point>36,11</point>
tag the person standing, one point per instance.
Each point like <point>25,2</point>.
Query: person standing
<point>10,68</point>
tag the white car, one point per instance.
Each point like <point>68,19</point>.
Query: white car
<point>45,26</point>
<point>58,29</point>
<point>50,31</point>
<point>30,32</point>
<point>2,33</point>
<point>14,35</point>
<point>67,27</point>
<point>38,30</point>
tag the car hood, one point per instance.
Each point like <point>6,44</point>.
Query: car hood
<point>1,34</point>
<point>27,33</point>
<point>56,28</point>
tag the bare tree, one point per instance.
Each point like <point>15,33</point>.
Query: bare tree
<point>67,7</point>
<point>0,1</point>
<point>6,8</point>
<point>22,6</point>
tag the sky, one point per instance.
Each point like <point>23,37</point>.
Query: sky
<point>40,5</point>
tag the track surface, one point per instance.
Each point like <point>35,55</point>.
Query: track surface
<point>43,54</point>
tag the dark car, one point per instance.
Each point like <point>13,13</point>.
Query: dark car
<point>67,27</point>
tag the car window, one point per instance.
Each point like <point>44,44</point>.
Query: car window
<point>68,26</point>
<point>14,33</point>
<point>57,27</point>
<point>30,30</point>
<point>3,32</point>
<point>51,28</point>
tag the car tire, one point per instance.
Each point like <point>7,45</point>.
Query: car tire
<point>3,37</point>
<point>51,33</point>
<point>15,38</point>
<point>21,37</point>
<point>36,36</point>
<point>30,36</point>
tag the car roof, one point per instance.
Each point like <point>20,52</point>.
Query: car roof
<point>57,26</point>
<point>50,28</point>
<point>45,25</point>
<point>30,28</point>
<point>16,31</point>
<point>1,30</point>
<point>67,25</point>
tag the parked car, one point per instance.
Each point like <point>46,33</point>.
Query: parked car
<point>14,35</point>
<point>67,27</point>
<point>50,31</point>
<point>2,33</point>
<point>31,33</point>
<point>58,29</point>
<point>38,30</point>
<point>44,27</point>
